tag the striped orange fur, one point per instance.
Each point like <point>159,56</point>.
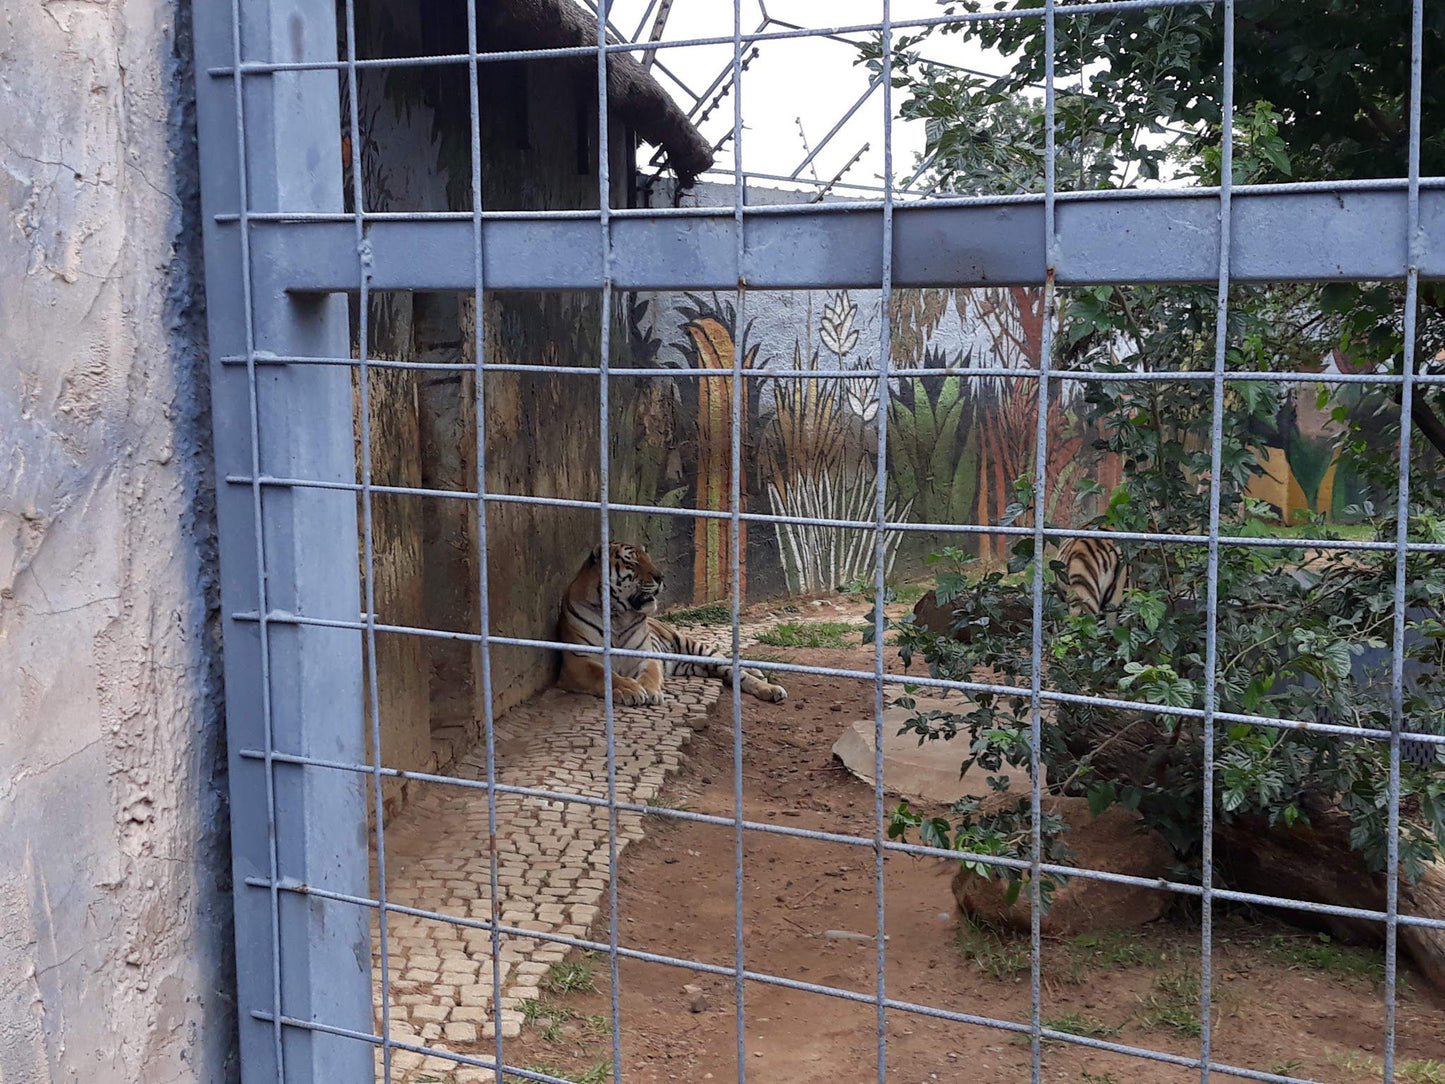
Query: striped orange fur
<point>635,585</point>
<point>1096,574</point>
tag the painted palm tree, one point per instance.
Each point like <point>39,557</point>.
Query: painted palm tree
<point>932,456</point>
<point>710,330</point>
<point>1007,416</point>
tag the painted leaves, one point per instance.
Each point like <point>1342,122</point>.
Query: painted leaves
<point>836,328</point>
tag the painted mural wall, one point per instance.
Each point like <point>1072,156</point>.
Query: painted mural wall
<point>956,441</point>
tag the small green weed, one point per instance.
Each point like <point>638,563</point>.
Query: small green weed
<point>1079,1024</point>
<point>1091,1078</point>
<point>812,634</point>
<point>568,976</point>
<point>713,613</point>
<point>599,1026</point>
<point>547,1017</point>
<point>542,1068</point>
<point>659,802</point>
<point>993,953</point>
<point>1175,1005</point>
<point>600,1073</point>
<point>1286,1068</point>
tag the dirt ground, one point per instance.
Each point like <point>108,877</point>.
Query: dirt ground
<point>1286,1001</point>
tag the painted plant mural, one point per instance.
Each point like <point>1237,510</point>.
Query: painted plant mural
<point>959,432</point>
<point>820,459</point>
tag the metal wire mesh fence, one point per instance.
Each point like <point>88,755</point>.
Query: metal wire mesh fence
<point>281,249</point>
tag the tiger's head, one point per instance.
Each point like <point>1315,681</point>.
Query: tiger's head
<point>635,580</point>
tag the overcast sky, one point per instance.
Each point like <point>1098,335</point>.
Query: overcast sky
<point>814,80</point>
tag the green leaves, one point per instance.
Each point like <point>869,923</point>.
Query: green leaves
<point>1158,685</point>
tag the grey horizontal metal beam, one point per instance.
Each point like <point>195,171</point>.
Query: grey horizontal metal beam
<point>1287,236</point>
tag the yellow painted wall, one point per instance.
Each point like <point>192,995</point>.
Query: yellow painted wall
<point>1279,487</point>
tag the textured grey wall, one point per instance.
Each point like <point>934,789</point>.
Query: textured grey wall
<point>115,941</point>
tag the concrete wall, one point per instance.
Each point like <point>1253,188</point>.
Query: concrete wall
<point>114,912</point>
<point>539,146</point>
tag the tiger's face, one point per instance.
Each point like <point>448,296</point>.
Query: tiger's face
<point>636,582</point>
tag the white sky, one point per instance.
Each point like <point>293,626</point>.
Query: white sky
<point>812,79</point>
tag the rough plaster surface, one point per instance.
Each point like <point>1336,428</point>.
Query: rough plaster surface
<point>114,911</point>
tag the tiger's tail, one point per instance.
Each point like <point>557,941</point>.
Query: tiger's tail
<point>750,679</point>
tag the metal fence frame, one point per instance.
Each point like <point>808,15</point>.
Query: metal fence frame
<point>280,253</point>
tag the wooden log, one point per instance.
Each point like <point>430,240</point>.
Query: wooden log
<point>1314,863</point>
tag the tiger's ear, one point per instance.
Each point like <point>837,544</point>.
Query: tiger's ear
<point>596,555</point>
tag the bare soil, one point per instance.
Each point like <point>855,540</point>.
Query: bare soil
<point>1285,1001</point>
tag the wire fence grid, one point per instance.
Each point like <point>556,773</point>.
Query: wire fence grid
<point>270,619</point>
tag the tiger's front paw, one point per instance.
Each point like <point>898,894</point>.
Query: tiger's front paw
<point>776,693</point>
<point>653,698</point>
<point>632,693</point>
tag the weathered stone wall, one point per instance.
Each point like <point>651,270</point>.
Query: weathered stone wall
<point>539,149</point>
<point>402,662</point>
<point>115,943</point>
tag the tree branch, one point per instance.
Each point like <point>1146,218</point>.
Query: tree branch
<point>1427,421</point>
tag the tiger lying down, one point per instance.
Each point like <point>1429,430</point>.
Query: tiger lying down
<point>636,583</point>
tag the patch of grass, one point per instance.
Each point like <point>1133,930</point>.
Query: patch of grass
<point>993,953</point>
<point>1090,1078</point>
<point>1174,1004</point>
<point>1354,532</point>
<point>1320,953</point>
<point>812,634</point>
<point>1115,949</point>
<point>600,1073</point>
<point>546,1017</point>
<point>542,1068</point>
<point>1407,1070</point>
<point>569,976</point>
<point>863,588</point>
<point>1079,1024</point>
<point>910,593</point>
<point>659,802</point>
<point>1286,1068</point>
<point>714,613</point>
<point>1420,1071</point>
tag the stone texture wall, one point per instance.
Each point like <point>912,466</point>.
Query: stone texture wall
<point>539,147</point>
<point>114,907</point>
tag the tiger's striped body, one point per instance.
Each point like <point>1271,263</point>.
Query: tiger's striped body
<point>1096,575</point>
<point>635,584</point>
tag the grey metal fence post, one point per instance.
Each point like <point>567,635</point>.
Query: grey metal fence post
<point>290,688</point>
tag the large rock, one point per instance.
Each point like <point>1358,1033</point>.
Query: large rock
<point>1016,619</point>
<point>928,772</point>
<point>1112,842</point>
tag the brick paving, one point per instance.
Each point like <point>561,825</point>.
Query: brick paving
<point>552,864</point>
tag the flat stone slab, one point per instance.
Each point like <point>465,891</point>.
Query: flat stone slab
<point>928,772</point>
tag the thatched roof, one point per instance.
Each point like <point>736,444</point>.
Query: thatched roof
<point>637,98</point>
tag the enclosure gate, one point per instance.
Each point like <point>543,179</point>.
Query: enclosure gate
<point>282,258</point>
